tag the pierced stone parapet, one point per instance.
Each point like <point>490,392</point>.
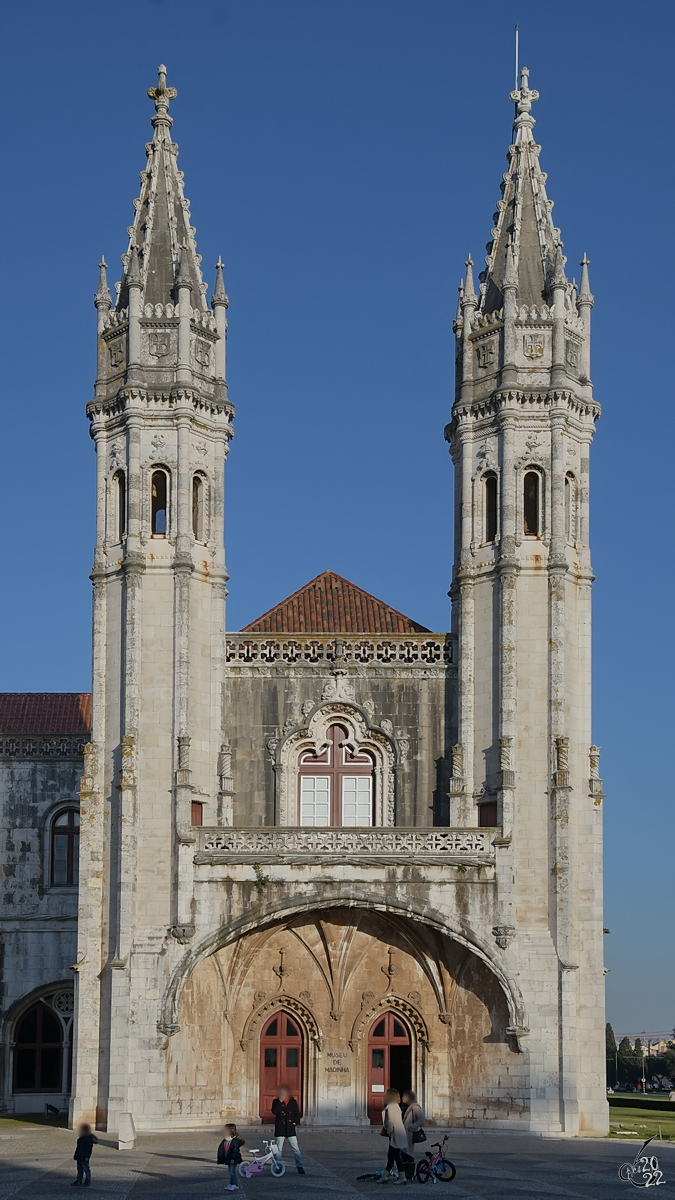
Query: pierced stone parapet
<point>65,746</point>
<point>407,650</point>
<point>388,845</point>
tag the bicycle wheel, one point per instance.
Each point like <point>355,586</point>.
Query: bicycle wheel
<point>277,1167</point>
<point>446,1170</point>
<point>242,1170</point>
<point>423,1173</point>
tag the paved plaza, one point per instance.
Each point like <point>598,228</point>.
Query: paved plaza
<point>37,1163</point>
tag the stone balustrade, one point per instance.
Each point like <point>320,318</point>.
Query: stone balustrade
<point>411,650</point>
<point>398,845</point>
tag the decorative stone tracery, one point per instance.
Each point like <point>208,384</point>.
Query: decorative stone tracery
<point>281,1001</point>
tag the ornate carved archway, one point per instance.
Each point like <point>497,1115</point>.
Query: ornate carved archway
<point>281,1000</point>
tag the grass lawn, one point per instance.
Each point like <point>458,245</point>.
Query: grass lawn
<point>626,1120</point>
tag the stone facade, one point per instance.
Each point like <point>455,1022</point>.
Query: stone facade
<point>464,912</point>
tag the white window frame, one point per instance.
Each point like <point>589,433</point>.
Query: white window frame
<point>310,796</point>
<point>358,802</point>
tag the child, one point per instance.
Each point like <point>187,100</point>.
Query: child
<point>85,1144</point>
<point>229,1154</point>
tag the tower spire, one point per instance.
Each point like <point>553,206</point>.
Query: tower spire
<point>161,233</point>
<point>524,232</point>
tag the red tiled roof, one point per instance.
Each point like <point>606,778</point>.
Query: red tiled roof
<point>331,604</point>
<point>45,712</point>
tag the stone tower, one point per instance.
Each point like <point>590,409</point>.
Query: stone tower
<point>520,434</point>
<point>160,419</point>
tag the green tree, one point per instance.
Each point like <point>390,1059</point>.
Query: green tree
<point>610,1050</point>
<point>629,1073</point>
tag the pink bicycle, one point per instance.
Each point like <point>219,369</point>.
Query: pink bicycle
<point>436,1166</point>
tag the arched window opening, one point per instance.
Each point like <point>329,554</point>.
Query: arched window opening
<point>490,499</point>
<point>336,785</point>
<point>281,1045</point>
<point>570,507</point>
<point>198,508</point>
<point>65,855</point>
<point>159,490</point>
<point>531,503</point>
<point>120,486</point>
<point>38,1051</point>
<point>389,1061</point>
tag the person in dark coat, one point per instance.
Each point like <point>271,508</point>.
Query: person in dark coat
<point>85,1144</point>
<point>286,1117</point>
<point>229,1155</point>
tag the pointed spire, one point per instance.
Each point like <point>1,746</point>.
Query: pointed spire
<point>162,232</point>
<point>102,296</point>
<point>469,293</point>
<point>219,296</point>
<point>522,253</point>
<point>585,294</point>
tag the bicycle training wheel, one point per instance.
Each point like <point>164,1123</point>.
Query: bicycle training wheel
<point>242,1170</point>
<point>446,1170</point>
<point>278,1168</point>
<point>423,1173</point>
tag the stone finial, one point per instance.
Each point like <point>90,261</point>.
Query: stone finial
<point>559,278</point>
<point>134,273</point>
<point>585,294</point>
<point>219,296</point>
<point>102,296</point>
<point>524,96</point>
<point>510,272</point>
<point>469,294</point>
<point>183,277</point>
<point>162,94</point>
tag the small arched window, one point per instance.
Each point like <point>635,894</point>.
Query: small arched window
<point>38,1051</point>
<point>531,503</point>
<point>490,503</point>
<point>570,507</point>
<point>159,492</point>
<point>65,848</point>
<point>120,501</point>
<point>198,508</point>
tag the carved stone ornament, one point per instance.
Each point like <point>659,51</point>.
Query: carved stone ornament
<point>169,1029</point>
<point>486,353</point>
<point>533,345</point>
<point>532,443</point>
<point>116,455</point>
<point>64,1003</point>
<point>183,933</point>
<point>158,442</point>
<point>258,997</point>
<point>503,935</point>
<point>306,709</point>
<point>203,353</point>
<point>116,352</point>
<point>572,354</point>
<point>159,343</point>
<point>338,688</point>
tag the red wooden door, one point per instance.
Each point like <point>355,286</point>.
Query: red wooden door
<point>389,1061</point>
<point>280,1061</point>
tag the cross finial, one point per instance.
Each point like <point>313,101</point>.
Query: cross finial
<point>162,94</point>
<point>524,96</point>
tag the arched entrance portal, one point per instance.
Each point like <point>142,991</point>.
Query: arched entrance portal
<point>389,1061</point>
<point>280,1060</point>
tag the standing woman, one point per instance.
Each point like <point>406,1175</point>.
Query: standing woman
<point>392,1123</point>
<point>413,1118</point>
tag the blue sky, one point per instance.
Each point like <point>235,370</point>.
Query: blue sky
<point>344,158</point>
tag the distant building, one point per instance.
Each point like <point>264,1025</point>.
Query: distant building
<point>334,849</point>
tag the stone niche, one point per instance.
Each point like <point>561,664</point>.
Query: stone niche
<point>336,973</point>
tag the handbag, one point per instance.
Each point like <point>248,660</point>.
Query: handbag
<point>384,1132</point>
<point>419,1136</point>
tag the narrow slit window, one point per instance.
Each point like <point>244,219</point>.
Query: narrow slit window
<point>65,848</point>
<point>490,508</point>
<point>531,504</point>
<point>121,505</point>
<point>198,508</point>
<point>570,531</point>
<point>159,490</point>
